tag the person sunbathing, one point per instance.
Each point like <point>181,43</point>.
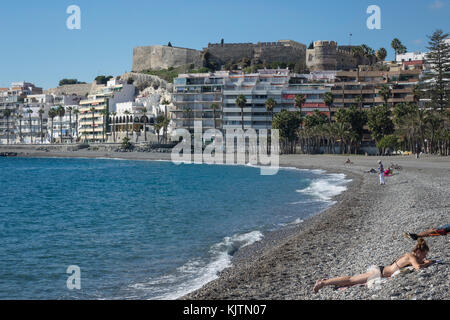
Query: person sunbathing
<point>416,259</point>
<point>433,232</point>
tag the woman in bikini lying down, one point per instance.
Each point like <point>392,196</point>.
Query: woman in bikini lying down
<point>416,259</point>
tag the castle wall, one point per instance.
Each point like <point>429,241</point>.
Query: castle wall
<point>229,53</point>
<point>163,57</point>
<point>282,51</point>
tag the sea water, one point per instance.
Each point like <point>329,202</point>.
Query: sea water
<point>139,229</point>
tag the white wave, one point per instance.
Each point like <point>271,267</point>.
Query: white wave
<point>196,273</point>
<point>328,187</point>
<point>293,223</point>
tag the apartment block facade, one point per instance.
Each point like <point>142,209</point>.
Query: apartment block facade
<point>366,82</point>
<point>194,95</point>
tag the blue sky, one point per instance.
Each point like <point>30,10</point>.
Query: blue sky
<point>36,45</point>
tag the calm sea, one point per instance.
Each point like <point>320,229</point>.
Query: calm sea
<point>139,229</point>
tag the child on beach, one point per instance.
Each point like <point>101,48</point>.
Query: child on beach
<point>416,259</point>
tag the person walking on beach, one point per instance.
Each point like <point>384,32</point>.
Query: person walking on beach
<point>433,232</point>
<point>381,172</point>
<point>416,259</point>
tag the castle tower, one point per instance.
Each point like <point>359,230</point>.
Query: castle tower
<point>323,56</point>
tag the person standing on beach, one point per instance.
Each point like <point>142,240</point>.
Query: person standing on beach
<point>381,172</point>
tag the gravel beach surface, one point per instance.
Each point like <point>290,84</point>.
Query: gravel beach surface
<point>362,229</point>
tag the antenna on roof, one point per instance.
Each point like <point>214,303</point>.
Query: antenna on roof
<point>350,39</point>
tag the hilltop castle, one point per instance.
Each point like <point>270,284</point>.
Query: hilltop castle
<point>326,55</point>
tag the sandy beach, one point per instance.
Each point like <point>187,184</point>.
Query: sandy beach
<point>363,228</point>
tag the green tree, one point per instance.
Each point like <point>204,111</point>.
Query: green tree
<point>104,114</point>
<point>103,79</point>
<point>389,141</point>
<point>114,122</point>
<point>127,114</point>
<point>70,110</point>
<point>92,109</point>
<point>52,114</point>
<point>329,100</point>
<point>144,117</point>
<point>215,108</point>
<point>158,125</point>
<point>166,123</point>
<point>385,92</point>
<point>359,101</point>
<point>41,115</point>
<point>30,112</point>
<point>270,106</point>
<point>20,117</point>
<point>288,123</point>
<point>398,47</point>
<point>381,54</point>
<point>7,114</point>
<point>76,112</point>
<point>188,114</point>
<point>436,83</point>
<point>61,112</point>
<point>314,119</point>
<point>241,102</point>
<point>379,122</point>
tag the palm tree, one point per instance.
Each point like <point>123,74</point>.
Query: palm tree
<point>7,114</point>
<point>329,100</point>
<point>241,102</point>
<point>92,109</point>
<point>61,112</point>
<point>76,112</point>
<point>41,113</point>
<point>30,112</point>
<point>398,47</point>
<point>299,101</point>
<point>144,112</point>
<point>126,113</point>
<point>385,93</point>
<point>358,53</point>
<point>188,114</point>
<point>270,105</point>
<point>368,53</point>
<point>359,101</point>
<point>161,122</point>
<point>114,114</point>
<point>165,103</point>
<point>52,114</point>
<point>381,54</point>
<point>20,117</point>
<point>104,113</point>
<point>70,109</point>
<point>214,108</point>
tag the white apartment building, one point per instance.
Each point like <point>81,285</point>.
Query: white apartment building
<point>31,125</point>
<point>94,111</point>
<point>65,128</point>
